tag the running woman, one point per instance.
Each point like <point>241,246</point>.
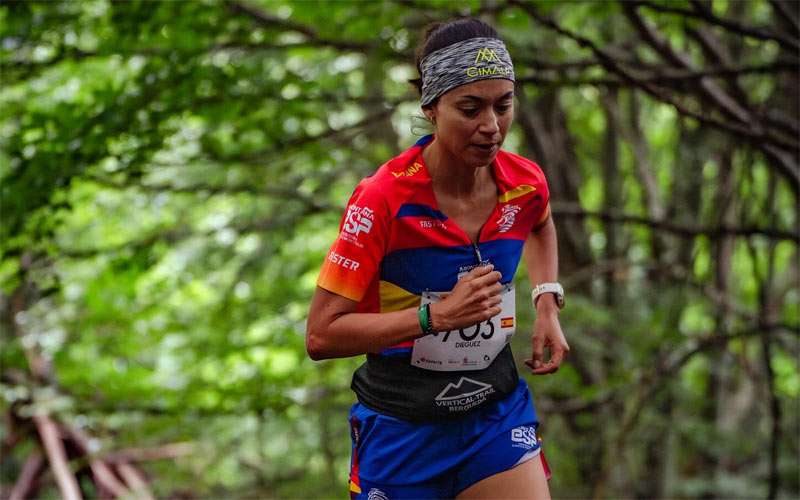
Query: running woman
<point>420,280</point>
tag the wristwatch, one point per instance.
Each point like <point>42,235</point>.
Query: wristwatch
<point>554,288</point>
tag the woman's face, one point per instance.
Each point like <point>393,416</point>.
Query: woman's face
<point>472,120</point>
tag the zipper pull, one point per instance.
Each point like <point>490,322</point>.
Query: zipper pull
<point>477,253</point>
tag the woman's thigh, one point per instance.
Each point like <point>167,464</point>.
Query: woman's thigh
<point>525,481</point>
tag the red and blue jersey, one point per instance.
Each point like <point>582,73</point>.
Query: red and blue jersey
<point>394,242</point>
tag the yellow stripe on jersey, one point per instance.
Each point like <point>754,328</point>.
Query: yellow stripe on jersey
<point>518,191</point>
<point>395,298</point>
<point>354,487</point>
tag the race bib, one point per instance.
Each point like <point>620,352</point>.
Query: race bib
<point>470,348</point>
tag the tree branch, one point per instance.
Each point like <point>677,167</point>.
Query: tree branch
<point>760,139</point>
<point>709,88</point>
<point>733,26</point>
<point>668,74</point>
<point>57,456</point>
<point>572,210</point>
<point>135,479</point>
<point>790,17</point>
<point>25,485</point>
<point>163,452</point>
<point>103,475</point>
<point>271,21</point>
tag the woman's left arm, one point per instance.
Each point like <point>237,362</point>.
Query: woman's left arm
<point>541,257</point>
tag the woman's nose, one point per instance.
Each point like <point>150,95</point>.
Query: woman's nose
<point>489,124</point>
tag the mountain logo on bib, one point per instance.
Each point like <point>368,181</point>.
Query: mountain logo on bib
<point>466,387</point>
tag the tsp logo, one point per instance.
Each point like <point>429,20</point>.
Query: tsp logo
<point>486,54</point>
<point>358,220</point>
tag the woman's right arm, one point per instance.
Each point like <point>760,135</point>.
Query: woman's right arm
<point>335,330</point>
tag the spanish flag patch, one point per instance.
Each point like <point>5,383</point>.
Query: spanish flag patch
<point>506,322</point>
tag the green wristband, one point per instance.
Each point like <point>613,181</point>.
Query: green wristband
<point>422,314</point>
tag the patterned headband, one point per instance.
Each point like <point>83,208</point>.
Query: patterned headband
<point>461,63</point>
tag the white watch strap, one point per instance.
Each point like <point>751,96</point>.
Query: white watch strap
<point>554,288</point>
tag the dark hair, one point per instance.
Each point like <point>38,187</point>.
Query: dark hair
<point>439,35</point>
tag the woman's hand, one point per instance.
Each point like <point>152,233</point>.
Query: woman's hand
<point>476,297</point>
<point>547,334</point>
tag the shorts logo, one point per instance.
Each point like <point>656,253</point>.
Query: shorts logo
<point>357,220</point>
<point>376,494</point>
<point>507,217</point>
<point>466,394</point>
<point>524,437</point>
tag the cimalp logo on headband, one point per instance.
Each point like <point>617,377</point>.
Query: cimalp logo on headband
<point>486,54</point>
<point>490,64</point>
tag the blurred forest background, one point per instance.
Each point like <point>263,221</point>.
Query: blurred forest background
<point>173,174</point>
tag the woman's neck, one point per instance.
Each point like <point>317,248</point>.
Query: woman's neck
<point>450,176</point>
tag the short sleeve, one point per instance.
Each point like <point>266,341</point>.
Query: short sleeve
<point>545,215</point>
<point>542,198</point>
<point>354,258</point>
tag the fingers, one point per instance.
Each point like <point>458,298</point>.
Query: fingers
<point>479,271</point>
<point>487,279</point>
<point>538,351</point>
<point>557,355</point>
<point>491,312</point>
<point>477,295</point>
<point>544,369</point>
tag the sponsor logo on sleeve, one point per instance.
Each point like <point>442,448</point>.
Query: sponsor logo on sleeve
<point>507,217</point>
<point>341,260</point>
<point>358,220</point>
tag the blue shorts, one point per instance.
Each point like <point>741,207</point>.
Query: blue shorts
<point>394,458</point>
